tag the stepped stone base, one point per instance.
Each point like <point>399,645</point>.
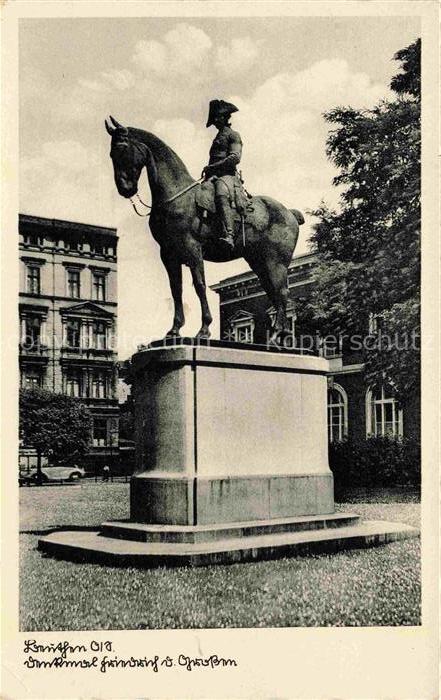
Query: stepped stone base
<point>141,532</point>
<point>232,464</point>
<point>141,545</point>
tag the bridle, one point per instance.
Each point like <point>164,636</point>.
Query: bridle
<point>166,201</point>
<point>147,206</point>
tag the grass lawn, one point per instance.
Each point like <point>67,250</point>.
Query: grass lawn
<point>379,586</point>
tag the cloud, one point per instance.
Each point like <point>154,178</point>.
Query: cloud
<point>323,85</point>
<point>110,80</point>
<point>158,68</point>
<point>190,142</point>
<point>181,51</point>
<point>165,72</point>
<point>238,56</point>
<point>150,56</point>
<point>284,132</point>
<point>65,179</point>
<point>69,156</point>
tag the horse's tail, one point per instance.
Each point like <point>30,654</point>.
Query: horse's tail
<point>299,216</point>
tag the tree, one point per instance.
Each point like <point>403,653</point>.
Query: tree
<point>55,425</point>
<point>369,250</point>
<point>127,408</point>
<point>127,419</point>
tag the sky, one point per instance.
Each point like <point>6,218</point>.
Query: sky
<point>159,74</point>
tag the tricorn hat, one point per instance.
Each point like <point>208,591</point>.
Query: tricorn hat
<point>219,108</point>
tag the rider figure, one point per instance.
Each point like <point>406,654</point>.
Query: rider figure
<point>225,154</point>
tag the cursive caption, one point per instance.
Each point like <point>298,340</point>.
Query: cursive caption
<point>103,657</point>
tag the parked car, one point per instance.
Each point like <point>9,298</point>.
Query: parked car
<point>56,473</point>
<point>22,479</point>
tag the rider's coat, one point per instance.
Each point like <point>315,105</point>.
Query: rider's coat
<point>227,147</point>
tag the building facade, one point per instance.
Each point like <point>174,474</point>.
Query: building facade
<point>68,318</point>
<point>355,410</point>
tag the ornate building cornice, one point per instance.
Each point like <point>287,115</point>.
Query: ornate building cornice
<point>74,227</point>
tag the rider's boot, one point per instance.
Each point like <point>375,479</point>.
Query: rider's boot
<point>227,219</point>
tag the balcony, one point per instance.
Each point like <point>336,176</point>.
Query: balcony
<point>35,350</point>
<point>93,402</point>
<point>83,353</point>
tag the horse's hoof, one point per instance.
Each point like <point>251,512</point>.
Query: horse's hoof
<point>173,334</point>
<point>203,334</point>
<point>274,340</point>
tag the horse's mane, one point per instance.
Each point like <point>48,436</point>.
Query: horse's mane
<point>160,149</point>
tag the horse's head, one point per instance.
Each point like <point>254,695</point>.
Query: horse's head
<point>128,158</point>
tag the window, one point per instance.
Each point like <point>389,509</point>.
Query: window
<point>241,327</point>
<point>100,432</point>
<point>243,333</point>
<point>337,414</point>
<point>32,332</point>
<point>73,383</point>
<point>73,283</point>
<point>33,279</point>
<point>31,380</point>
<point>99,389</point>
<point>73,328</point>
<point>72,245</point>
<point>33,239</point>
<point>99,286</point>
<point>99,248</point>
<point>99,335</point>
<point>383,417</point>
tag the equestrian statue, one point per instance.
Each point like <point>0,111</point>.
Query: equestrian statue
<point>210,219</point>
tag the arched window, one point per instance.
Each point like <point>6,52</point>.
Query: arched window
<point>383,417</point>
<point>337,414</point>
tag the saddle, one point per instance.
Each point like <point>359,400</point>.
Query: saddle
<point>239,200</point>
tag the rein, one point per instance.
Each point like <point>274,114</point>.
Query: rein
<point>166,201</point>
<point>140,147</point>
<point>147,206</point>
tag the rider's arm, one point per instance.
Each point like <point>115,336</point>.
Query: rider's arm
<point>234,155</point>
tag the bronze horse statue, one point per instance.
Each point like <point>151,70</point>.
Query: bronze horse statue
<point>271,230</point>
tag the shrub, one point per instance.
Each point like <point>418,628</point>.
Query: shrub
<point>56,425</point>
<point>375,461</point>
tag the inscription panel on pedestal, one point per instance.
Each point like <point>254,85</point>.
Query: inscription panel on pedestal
<point>255,422</point>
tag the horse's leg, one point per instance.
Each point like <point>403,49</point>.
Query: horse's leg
<point>278,277</point>
<point>174,271</point>
<point>273,278</point>
<point>198,275</point>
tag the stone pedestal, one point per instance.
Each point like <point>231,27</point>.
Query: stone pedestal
<point>232,464</point>
<point>228,434</point>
